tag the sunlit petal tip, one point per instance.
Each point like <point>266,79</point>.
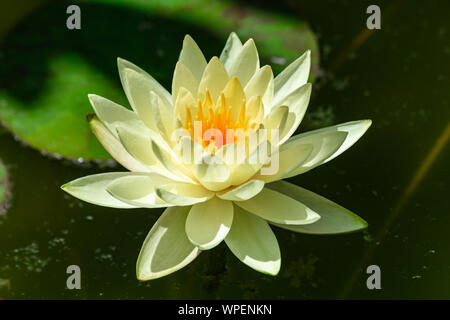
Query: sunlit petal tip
<point>166,248</point>
<point>208,223</point>
<point>253,242</point>
<point>334,218</point>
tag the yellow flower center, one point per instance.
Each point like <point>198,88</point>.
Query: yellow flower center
<point>219,117</point>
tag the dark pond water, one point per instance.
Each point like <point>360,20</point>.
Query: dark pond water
<point>396,177</point>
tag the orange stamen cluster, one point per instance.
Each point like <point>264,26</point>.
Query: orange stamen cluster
<point>216,117</point>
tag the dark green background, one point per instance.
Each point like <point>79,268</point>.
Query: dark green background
<point>397,76</point>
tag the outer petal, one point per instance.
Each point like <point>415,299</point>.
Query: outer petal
<point>208,223</point>
<point>292,77</point>
<point>301,154</point>
<point>261,84</point>
<point>183,77</point>
<point>140,89</point>
<point>138,190</point>
<point>246,63</point>
<point>92,189</point>
<point>243,192</point>
<point>351,131</point>
<point>279,208</point>
<point>166,248</point>
<point>297,102</point>
<point>231,50</point>
<point>138,145</point>
<point>333,218</point>
<point>114,147</point>
<point>156,87</point>
<point>354,130</point>
<point>111,114</point>
<point>183,194</point>
<point>192,57</point>
<point>252,241</point>
<point>171,163</point>
<point>276,119</point>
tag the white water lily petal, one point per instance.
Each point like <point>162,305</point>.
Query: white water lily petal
<point>246,63</point>
<point>261,84</point>
<point>174,167</point>
<point>231,50</point>
<point>286,161</point>
<point>255,111</point>
<point>139,190</point>
<point>166,248</point>
<point>324,145</point>
<point>192,57</point>
<point>354,130</point>
<point>183,77</point>
<point>253,242</point>
<point>214,78</point>
<point>334,219</point>
<point>242,192</point>
<point>92,189</point>
<point>234,96</point>
<point>111,114</point>
<point>328,143</point>
<point>242,166</point>
<point>212,173</point>
<point>297,102</point>
<point>183,194</point>
<point>303,153</point>
<point>292,77</point>
<point>157,88</point>
<point>208,223</point>
<point>276,119</point>
<point>138,145</point>
<point>185,100</point>
<point>115,147</point>
<point>140,89</point>
<point>279,208</point>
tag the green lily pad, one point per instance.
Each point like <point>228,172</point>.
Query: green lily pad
<point>47,71</point>
<point>4,188</point>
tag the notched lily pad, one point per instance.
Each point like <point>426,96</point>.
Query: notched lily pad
<point>47,72</point>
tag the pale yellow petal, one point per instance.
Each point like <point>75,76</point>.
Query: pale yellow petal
<point>183,77</point>
<point>261,84</point>
<point>183,194</point>
<point>214,79</point>
<point>156,87</point>
<point>297,102</point>
<point>166,248</point>
<point>231,50</point>
<point>208,223</point>
<point>279,208</point>
<point>115,147</point>
<point>192,57</point>
<point>292,77</point>
<point>246,63</point>
<point>92,189</point>
<point>139,190</point>
<point>242,192</point>
<point>253,242</point>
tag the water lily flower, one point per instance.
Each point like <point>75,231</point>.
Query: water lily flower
<point>217,198</point>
